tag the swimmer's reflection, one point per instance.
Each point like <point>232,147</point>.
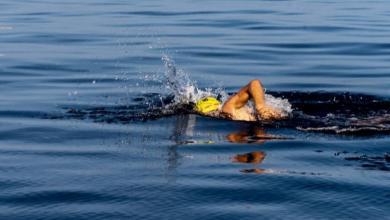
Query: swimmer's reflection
<point>253,135</point>
<point>255,157</point>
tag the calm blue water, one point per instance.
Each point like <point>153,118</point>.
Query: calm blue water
<point>82,134</point>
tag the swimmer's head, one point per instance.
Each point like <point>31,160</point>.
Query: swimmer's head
<point>206,105</point>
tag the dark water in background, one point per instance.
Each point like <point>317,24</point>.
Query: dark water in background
<point>102,61</point>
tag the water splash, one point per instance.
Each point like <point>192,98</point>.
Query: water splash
<point>184,90</point>
<point>279,103</point>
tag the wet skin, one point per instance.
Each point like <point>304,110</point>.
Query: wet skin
<point>253,91</point>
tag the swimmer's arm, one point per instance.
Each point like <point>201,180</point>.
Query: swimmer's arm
<point>253,90</point>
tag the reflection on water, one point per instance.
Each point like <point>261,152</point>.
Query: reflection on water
<point>255,157</point>
<point>252,135</point>
<point>183,128</point>
<point>183,134</point>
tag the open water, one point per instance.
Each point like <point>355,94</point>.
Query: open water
<point>95,120</point>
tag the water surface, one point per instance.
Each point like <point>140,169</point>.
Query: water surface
<point>84,135</point>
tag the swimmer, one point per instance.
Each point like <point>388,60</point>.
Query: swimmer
<point>236,108</point>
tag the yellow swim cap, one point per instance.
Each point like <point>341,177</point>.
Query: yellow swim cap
<point>207,104</point>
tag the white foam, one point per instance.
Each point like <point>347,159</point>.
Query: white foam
<point>281,104</point>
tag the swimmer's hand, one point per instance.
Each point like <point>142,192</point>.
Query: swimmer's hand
<point>268,113</point>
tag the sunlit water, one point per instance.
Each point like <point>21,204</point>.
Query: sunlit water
<point>95,121</point>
